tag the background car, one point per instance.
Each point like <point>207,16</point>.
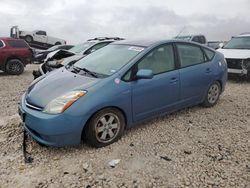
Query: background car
<point>193,38</point>
<point>40,55</point>
<point>15,54</point>
<point>215,44</point>
<point>237,54</point>
<point>117,87</point>
<point>61,58</point>
<point>37,38</point>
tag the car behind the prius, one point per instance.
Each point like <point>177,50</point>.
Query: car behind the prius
<point>118,86</point>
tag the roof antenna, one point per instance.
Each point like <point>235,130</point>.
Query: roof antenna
<point>181,31</point>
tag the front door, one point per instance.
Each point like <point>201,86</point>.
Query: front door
<point>161,93</point>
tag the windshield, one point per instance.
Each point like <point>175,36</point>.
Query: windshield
<point>81,47</point>
<point>109,59</point>
<point>238,43</point>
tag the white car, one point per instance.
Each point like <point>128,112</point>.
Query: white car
<point>237,54</point>
<point>40,37</point>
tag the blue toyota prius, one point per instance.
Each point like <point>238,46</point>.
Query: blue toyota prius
<point>122,84</point>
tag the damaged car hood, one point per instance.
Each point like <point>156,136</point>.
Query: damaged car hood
<point>76,57</point>
<point>235,53</point>
<point>56,84</point>
<point>58,54</point>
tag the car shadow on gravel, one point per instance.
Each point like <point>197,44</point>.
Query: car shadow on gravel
<point>238,79</point>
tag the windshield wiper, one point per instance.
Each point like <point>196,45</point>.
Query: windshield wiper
<point>78,69</point>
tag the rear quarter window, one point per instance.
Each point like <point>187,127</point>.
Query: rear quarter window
<point>209,53</point>
<point>18,44</point>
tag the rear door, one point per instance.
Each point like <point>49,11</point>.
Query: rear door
<point>20,49</point>
<point>159,94</point>
<point>196,73</point>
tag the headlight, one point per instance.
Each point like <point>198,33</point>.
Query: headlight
<point>55,63</point>
<point>63,102</point>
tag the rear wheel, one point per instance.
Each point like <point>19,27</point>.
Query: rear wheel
<point>14,67</point>
<point>105,127</point>
<point>28,39</point>
<point>213,95</point>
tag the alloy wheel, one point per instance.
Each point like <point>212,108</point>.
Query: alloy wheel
<point>213,93</point>
<point>107,127</point>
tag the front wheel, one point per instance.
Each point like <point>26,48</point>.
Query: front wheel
<point>105,127</point>
<point>14,67</point>
<point>213,95</point>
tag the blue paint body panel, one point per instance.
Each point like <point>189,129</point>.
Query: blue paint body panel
<point>138,100</point>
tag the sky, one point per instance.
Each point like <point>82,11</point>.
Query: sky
<point>79,20</point>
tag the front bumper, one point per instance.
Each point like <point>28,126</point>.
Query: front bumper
<point>237,71</point>
<point>52,130</point>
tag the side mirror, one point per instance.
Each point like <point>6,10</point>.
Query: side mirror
<point>221,45</point>
<point>144,74</point>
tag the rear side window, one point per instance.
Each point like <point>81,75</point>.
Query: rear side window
<point>190,55</point>
<point>210,54</point>
<point>18,44</point>
<point>196,39</point>
<point>1,44</point>
<point>202,40</point>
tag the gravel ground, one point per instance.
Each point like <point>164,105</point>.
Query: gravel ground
<point>195,147</point>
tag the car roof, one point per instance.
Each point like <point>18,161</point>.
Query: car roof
<point>9,38</point>
<point>105,39</point>
<point>151,42</point>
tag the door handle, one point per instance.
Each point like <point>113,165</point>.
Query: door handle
<point>173,80</point>
<point>208,70</point>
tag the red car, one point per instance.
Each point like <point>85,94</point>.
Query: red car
<point>15,54</point>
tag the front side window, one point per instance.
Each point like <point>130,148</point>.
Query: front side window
<point>238,43</point>
<point>110,59</point>
<point>190,55</point>
<point>41,33</point>
<point>159,60</point>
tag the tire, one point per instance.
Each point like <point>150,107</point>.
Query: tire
<point>101,120</point>
<point>58,43</point>
<point>28,39</point>
<point>14,67</point>
<point>212,95</point>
